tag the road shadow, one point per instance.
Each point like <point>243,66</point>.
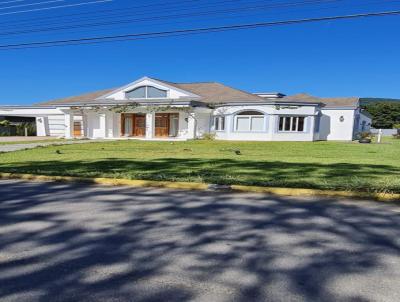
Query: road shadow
<point>67,242</point>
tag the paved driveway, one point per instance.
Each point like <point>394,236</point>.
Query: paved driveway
<point>64,242</point>
<point>5,139</point>
<point>31,145</point>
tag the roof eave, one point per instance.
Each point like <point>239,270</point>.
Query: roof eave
<point>151,103</point>
<point>269,102</point>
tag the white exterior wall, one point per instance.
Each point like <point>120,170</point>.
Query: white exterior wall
<point>96,124</point>
<point>271,121</point>
<point>203,122</point>
<point>331,126</point>
<point>56,125</point>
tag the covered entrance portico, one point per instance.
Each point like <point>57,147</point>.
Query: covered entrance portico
<point>94,122</point>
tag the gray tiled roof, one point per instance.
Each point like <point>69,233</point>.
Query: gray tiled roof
<point>328,102</point>
<point>210,93</point>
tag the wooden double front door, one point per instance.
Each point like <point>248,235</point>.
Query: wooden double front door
<point>166,124</point>
<point>133,124</point>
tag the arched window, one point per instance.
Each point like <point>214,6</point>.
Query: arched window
<point>146,92</point>
<point>250,120</point>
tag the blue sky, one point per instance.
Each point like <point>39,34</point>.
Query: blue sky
<point>342,58</point>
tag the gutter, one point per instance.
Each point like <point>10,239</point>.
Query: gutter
<point>26,107</point>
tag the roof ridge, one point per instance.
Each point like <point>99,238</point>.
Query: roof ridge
<point>205,82</point>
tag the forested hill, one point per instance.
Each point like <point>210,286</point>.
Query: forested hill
<point>365,101</point>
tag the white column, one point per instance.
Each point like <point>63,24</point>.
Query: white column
<point>311,127</point>
<point>85,125</point>
<point>272,124</point>
<point>192,127</point>
<point>103,129</point>
<point>109,124</point>
<point>150,119</point>
<point>69,124</point>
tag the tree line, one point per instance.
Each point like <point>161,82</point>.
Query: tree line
<point>385,112</point>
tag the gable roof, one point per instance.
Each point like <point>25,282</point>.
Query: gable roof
<point>209,92</point>
<point>214,92</point>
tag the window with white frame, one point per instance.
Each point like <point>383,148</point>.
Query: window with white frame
<point>291,123</point>
<point>146,92</point>
<point>219,123</point>
<point>252,121</point>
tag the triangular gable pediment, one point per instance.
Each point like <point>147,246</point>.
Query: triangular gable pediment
<point>173,92</point>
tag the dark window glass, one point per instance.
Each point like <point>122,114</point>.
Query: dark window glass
<point>146,92</point>
<point>153,92</point>
<point>281,120</point>
<point>287,123</point>
<point>222,123</point>
<point>251,113</point>
<point>138,93</point>
<point>300,123</point>
<point>219,123</point>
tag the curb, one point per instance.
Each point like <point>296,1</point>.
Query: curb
<point>203,186</point>
<point>316,192</point>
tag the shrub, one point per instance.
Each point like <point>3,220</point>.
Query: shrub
<point>365,134</point>
<point>5,123</point>
<point>208,136</point>
<point>397,135</point>
<point>31,129</point>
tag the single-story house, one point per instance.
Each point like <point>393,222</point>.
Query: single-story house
<point>149,108</point>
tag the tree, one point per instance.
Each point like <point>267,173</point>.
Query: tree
<point>384,115</point>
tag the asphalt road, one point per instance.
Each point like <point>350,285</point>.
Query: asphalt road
<point>65,242</point>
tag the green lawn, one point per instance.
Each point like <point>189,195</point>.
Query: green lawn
<point>325,165</point>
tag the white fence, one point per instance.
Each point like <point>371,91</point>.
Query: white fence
<point>385,132</point>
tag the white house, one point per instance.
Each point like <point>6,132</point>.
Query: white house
<point>153,109</point>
